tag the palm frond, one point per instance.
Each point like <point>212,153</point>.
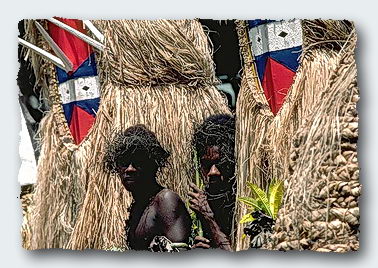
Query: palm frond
<point>250,202</point>
<point>275,197</point>
<point>261,195</point>
<point>246,218</point>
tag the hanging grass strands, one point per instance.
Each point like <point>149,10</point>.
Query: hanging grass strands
<point>158,73</point>
<point>302,139</point>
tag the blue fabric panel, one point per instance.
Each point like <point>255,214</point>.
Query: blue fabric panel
<point>260,64</point>
<point>87,68</point>
<point>255,23</point>
<point>90,106</point>
<point>67,108</point>
<point>287,57</point>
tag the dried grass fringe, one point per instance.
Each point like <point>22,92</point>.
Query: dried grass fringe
<point>314,109</point>
<point>26,198</point>
<point>158,73</point>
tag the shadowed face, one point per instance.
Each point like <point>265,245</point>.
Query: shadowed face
<point>213,170</point>
<point>136,171</point>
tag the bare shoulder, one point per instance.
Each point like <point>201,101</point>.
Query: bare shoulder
<point>174,218</point>
<point>167,195</point>
<point>169,203</point>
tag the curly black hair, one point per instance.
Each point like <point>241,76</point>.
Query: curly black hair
<point>217,130</point>
<point>135,142</point>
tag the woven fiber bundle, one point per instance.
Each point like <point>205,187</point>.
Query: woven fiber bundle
<point>157,73</point>
<point>25,198</point>
<point>320,210</point>
<point>269,153</point>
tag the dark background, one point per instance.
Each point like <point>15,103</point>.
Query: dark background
<point>224,38</point>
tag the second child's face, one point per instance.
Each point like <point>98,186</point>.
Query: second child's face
<point>216,170</point>
<point>211,170</point>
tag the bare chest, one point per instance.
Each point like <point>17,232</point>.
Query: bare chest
<point>144,227</point>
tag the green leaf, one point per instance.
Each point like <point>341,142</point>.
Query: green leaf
<point>199,182</point>
<point>246,218</point>
<point>261,204</point>
<point>272,183</point>
<point>261,196</point>
<point>250,202</point>
<point>275,197</point>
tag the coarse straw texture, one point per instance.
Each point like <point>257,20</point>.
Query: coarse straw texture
<point>320,210</point>
<point>156,52</point>
<point>158,73</point>
<point>312,99</point>
<point>26,198</point>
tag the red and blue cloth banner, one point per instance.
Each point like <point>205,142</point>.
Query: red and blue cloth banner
<point>276,47</point>
<point>79,88</point>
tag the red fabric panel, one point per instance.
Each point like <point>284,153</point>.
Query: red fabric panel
<point>81,123</point>
<point>74,48</point>
<point>276,83</point>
